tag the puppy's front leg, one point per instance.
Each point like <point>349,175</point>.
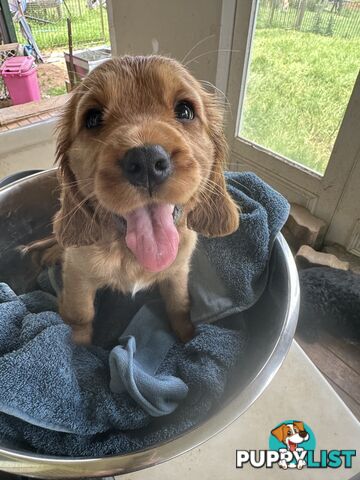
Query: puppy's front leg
<point>76,305</point>
<point>175,293</point>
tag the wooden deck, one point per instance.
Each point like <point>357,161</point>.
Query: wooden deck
<point>339,361</point>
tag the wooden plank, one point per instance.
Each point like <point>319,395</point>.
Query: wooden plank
<point>347,351</point>
<point>26,110</point>
<point>7,47</point>
<point>349,402</point>
<point>23,123</point>
<point>331,366</point>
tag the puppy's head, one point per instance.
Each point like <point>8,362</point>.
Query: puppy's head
<point>291,434</point>
<point>140,144</point>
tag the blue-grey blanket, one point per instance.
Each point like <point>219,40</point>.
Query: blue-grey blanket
<point>62,399</point>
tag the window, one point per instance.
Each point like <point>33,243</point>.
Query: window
<point>304,61</point>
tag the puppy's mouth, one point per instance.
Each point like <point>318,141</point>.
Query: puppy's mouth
<point>152,236</point>
<point>292,446</point>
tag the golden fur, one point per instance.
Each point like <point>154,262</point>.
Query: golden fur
<point>136,96</point>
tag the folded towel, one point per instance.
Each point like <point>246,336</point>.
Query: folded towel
<point>62,399</point>
<point>133,366</point>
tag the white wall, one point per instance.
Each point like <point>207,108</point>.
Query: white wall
<point>170,27</point>
<point>27,148</point>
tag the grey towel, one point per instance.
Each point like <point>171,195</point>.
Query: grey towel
<point>134,362</point>
<point>61,399</point>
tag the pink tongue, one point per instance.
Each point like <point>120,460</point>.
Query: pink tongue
<point>292,446</point>
<point>152,236</point>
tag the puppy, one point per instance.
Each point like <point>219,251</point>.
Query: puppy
<point>291,435</point>
<point>141,154</point>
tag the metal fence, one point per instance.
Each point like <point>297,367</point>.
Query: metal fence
<point>47,20</point>
<point>325,17</point>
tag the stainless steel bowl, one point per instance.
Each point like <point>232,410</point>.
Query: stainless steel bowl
<point>26,208</point>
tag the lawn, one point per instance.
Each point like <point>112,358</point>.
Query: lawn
<point>51,32</point>
<point>298,89</point>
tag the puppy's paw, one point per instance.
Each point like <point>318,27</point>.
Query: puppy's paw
<point>301,464</point>
<point>82,335</point>
<point>184,330</point>
<point>283,464</point>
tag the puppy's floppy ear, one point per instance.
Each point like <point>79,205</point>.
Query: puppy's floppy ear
<point>218,215</point>
<point>74,224</point>
<point>299,425</point>
<point>280,432</point>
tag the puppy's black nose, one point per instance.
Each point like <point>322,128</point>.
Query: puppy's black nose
<point>303,434</point>
<point>147,166</point>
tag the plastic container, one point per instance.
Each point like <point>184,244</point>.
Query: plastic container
<point>20,77</point>
<point>85,61</point>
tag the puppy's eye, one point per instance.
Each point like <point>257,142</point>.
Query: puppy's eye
<point>184,111</point>
<point>93,118</point>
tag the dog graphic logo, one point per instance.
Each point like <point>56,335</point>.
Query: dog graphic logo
<point>292,445</point>
<point>292,435</point>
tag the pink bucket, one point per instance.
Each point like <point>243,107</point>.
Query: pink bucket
<point>20,77</point>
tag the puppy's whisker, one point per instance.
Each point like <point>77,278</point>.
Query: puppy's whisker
<point>225,50</point>
<point>74,184</point>
<point>77,207</point>
<point>93,217</point>
<point>215,88</point>
<point>209,196</point>
<point>215,186</point>
<point>207,200</point>
<point>74,213</point>
<point>210,191</point>
<point>242,186</point>
<point>225,101</point>
<point>207,190</point>
<point>77,182</point>
<point>196,45</point>
<point>212,187</point>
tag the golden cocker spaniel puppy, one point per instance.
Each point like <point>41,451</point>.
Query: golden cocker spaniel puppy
<point>141,153</point>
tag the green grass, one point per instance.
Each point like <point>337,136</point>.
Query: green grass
<point>86,26</point>
<point>298,89</point>
<point>55,91</point>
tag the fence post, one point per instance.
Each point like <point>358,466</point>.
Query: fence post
<point>71,72</point>
<point>6,24</point>
<point>300,15</point>
<point>102,20</point>
<point>273,6</point>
